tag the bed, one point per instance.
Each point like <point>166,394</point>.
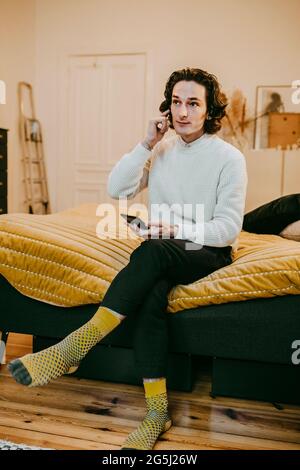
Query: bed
<point>247,333</point>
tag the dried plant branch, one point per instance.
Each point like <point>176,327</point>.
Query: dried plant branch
<point>236,124</point>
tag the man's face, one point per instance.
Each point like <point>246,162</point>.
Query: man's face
<point>189,106</point>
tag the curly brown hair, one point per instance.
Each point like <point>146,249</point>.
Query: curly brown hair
<point>215,99</point>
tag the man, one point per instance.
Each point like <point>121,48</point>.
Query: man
<point>194,167</point>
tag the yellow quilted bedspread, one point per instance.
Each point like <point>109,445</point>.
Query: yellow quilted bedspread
<point>59,259</point>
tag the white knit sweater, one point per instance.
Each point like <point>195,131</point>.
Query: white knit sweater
<point>208,174</point>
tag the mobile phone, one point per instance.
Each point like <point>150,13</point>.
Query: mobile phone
<point>136,221</point>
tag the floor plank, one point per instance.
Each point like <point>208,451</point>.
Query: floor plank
<point>72,413</point>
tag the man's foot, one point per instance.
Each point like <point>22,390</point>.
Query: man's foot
<point>146,435</point>
<point>64,357</point>
<point>40,368</point>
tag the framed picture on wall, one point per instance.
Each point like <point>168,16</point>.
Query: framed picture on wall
<point>277,117</point>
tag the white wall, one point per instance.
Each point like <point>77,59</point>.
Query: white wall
<point>17,63</point>
<point>245,43</point>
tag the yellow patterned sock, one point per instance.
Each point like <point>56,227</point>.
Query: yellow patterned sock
<point>156,421</point>
<point>39,368</point>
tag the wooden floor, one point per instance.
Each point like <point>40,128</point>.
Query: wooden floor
<point>73,413</point>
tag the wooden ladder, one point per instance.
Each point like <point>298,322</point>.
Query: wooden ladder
<point>34,170</point>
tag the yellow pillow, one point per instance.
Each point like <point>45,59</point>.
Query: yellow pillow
<point>58,258</point>
<point>263,266</point>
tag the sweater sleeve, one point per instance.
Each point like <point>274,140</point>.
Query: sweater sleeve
<point>227,221</point>
<point>130,174</point>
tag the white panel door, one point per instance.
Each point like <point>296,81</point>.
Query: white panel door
<point>103,118</point>
<point>291,176</point>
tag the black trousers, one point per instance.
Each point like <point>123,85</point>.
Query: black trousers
<point>142,287</point>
